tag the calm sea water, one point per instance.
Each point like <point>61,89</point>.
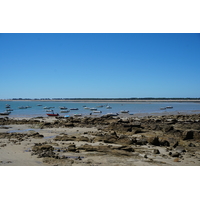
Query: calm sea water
<point>133,107</point>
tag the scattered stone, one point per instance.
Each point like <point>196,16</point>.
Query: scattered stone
<point>176,154</point>
<point>156,151</point>
<point>192,145</point>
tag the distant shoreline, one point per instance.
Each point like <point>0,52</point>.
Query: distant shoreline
<point>107,100</point>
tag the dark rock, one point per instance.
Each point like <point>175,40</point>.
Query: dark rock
<point>168,128</point>
<point>188,135</point>
<point>82,138</point>
<point>175,145</point>
<point>140,141</point>
<point>125,140</point>
<point>42,147</point>
<point>35,134</point>
<point>156,151</point>
<point>43,150</point>
<point>145,156</point>
<point>71,147</point>
<point>136,124</point>
<point>127,148</point>
<point>136,130</point>
<point>192,145</point>
<point>69,124</point>
<point>87,147</point>
<point>65,138</point>
<point>164,143</point>
<point>176,154</point>
<point>154,141</point>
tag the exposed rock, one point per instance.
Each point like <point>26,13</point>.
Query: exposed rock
<point>156,151</point>
<point>140,141</point>
<point>164,143</point>
<point>176,154</point>
<point>71,147</point>
<point>125,140</point>
<point>154,141</point>
<point>168,128</point>
<point>192,145</point>
<point>43,150</point>
<point>188,135</point>
<point>180,149</point>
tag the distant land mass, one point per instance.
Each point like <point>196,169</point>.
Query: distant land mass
<point>104,99</point>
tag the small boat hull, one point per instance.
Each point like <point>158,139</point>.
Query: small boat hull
<point>52,115</point>
<point>5,113</point>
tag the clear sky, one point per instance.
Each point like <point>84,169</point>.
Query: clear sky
<point>109,65</point>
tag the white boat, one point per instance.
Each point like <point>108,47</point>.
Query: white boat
<point>108,107</point>
<point>169,107</point>
<point>7,106</point>
<point>77,115</point>
<point>22,107</point>
<point>28,106</point>
<point>97,111</point>
<point>64,111</point>
<point>9,109</point>
<point>99,106</point>
<point>47,107</point>
<point>86,108</point>
<point>63,108</point>
<point>5,113</point>
<point>49,110</point>
<point>124,111</point>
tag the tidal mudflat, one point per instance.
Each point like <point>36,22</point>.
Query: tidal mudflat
<point>167,140</point>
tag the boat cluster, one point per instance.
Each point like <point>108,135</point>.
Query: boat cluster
<point>9,109</point>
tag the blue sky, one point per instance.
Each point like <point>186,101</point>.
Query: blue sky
<point>100,65</point>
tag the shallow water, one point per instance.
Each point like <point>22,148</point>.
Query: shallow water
<point>116,107</point>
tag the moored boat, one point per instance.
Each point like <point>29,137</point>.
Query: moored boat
<point>97,111</point>
<point>49,110</point>
<point>63,108</point>
<point>64,111</point>
<point>5,113</point>
<point>9,109</point>
<point>93,108</point>
<point>111,114</point>
<point>124,111</point>
<point>47,107</point>
<point>169,107</point>
<point>52,114</point>
<point>22,107</point>
<point>77,115</point>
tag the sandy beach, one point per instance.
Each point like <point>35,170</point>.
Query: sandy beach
<point>167,140</point>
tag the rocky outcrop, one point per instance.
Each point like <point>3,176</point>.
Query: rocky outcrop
<point>43,150</point>
<point>71,138</point>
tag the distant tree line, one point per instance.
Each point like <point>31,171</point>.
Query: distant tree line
<point>133,98</point>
